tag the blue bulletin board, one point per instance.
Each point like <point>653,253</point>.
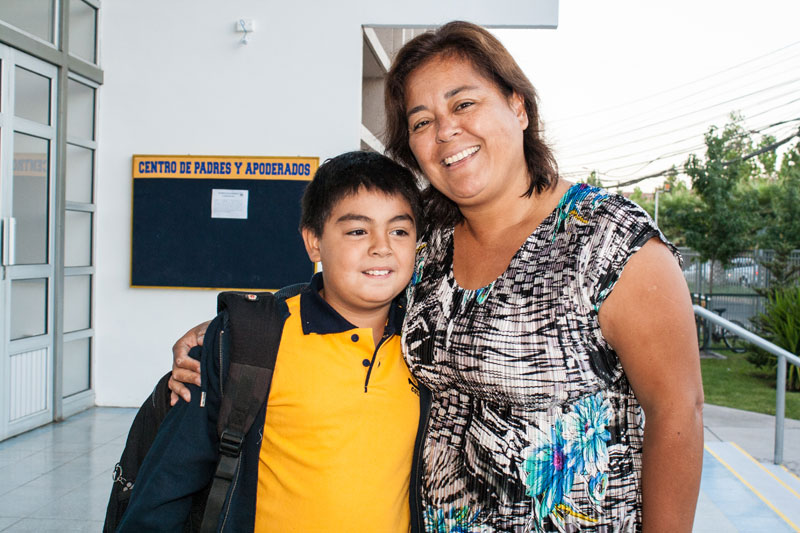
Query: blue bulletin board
<point>218,222</point>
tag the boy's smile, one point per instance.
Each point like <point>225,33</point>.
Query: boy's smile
<point>367,252</point>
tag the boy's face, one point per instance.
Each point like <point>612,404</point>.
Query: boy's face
<point>367,250</point>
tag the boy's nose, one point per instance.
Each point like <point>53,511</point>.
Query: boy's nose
<point>380,246</point>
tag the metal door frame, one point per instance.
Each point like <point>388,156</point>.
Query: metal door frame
<point>9,125</point>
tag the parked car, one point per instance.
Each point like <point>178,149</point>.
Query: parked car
<point>744,271</point>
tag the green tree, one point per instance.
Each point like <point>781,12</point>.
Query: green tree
<point>681,199</point>
<point>780,324</point>
<point>779,210</point>
<point>718,225</point>
<point>648,204</point>
<point>593,179</point>
<point>768,159</point>
<point>779,230</point>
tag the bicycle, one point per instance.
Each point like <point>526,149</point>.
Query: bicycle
<point>711,333</point>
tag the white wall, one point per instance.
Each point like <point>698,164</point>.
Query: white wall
<point>177,81</point>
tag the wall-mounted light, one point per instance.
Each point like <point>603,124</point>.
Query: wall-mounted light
<point>245,26</point>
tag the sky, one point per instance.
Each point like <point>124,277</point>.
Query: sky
<point>628,88</point>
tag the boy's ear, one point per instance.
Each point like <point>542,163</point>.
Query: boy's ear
<point>311,241</point>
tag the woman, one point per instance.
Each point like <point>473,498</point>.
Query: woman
<point>543,316</point>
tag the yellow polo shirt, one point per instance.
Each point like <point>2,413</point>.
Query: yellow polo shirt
<point>339,430</point>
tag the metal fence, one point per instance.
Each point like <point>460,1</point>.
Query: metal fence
<point>735,286</point>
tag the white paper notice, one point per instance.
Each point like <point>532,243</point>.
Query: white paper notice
<point>228,203</point>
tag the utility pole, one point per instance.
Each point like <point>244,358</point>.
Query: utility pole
<point>658,191</point>
<point>664,188</point>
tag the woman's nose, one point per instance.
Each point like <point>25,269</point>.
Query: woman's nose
<point>447,128</point>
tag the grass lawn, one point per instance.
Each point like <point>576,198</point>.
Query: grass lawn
<point>733,382</point>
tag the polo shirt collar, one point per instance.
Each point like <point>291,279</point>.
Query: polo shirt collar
<point>317,316</point>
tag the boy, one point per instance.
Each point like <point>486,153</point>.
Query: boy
<point>338,434</point>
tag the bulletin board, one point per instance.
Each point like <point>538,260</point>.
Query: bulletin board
<point>218,222</point>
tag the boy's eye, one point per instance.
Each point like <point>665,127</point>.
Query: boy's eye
<point>356,232</point>
<point>400,232</point>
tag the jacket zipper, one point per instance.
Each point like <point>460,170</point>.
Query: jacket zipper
<point>416,480</point>
<point>239,463</point>
<point>221,380</point>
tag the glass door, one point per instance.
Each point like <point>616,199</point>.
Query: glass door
<point>27,208</point>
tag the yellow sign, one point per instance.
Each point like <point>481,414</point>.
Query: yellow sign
<point>224,167</point>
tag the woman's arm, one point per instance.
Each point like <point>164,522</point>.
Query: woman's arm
<point>184,368</point>
<point>649,322</point>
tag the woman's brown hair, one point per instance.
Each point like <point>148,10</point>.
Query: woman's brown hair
<point>491,59</point>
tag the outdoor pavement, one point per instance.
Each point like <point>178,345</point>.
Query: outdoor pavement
<point>753,432</point>
<point>741,490</point>
<point>58,477</point>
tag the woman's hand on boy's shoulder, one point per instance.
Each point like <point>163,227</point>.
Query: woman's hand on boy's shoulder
<point>184,368</point>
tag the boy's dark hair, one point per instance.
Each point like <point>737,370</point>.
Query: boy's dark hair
<point>345,174</point>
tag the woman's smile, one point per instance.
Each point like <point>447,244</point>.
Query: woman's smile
<point>460,156</point>
<point>466,135</point>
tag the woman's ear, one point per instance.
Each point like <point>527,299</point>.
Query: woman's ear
<point>517,103</point>
<point>311,241</point>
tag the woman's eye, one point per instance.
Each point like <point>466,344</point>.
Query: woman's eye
<point>419,125</point>
<point>463,105</point>
<point>400,232</point>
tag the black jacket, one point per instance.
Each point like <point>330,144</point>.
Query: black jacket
<point>183,457</point>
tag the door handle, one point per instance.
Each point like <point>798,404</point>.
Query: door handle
<point>4,228</point>
<point>9,236</point>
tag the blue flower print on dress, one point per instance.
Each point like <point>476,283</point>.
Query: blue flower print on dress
<point>419,264</point>
<point>568,206</point>
<point>551,471</point>
<point>455,520</point>
<point>597,487</point>
<point>585,429</point>
<point>576,450</point>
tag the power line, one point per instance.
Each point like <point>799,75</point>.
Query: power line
<point>664,113</point>
<point>644,164</point>
<point>686,152</point>
<point>682,101</point>
<point>694,112</point>
<point>626,104</point>
<point>687,139</point>
<point>765,149</point>
<point>751,155</point>
<point>595,161</point>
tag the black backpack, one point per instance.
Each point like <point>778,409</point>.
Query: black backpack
<point>255,328</point>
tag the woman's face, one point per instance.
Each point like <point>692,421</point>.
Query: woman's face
<point>465,134</point>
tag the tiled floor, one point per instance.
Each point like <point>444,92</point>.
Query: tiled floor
<point>58,477</point>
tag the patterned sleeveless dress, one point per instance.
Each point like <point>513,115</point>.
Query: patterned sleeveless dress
<point>533,425</point>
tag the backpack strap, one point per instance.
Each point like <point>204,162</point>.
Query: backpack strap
<point>255,327</point>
